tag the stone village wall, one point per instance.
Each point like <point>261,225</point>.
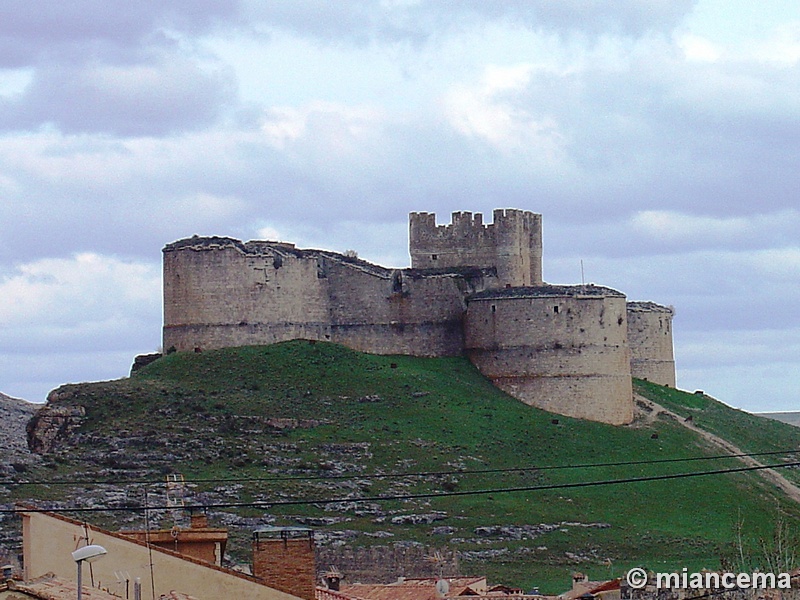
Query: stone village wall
<point>567,349</point>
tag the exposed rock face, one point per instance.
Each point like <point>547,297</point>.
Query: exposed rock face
<point>14,415</point>
<point>52,426</point>
<point>142,360</point>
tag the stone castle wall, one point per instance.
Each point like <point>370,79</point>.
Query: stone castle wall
<point>220,292</point>
<point>404,313</point>
<point>560,348</point>
<point>512,244</point>
<point>472,288</point>
<point>650,340</point>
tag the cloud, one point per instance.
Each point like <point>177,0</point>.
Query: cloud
<point>66,318</point>
<point>486,113</point>
<point>752,369</point>
<point>366,21</point>
<point>659,144</point>
<point>664,229</point>
<point>77,300</point>
<point>114,29</point>
<point>323,128</point>
<point>167,94</point>
<point>697,48</point>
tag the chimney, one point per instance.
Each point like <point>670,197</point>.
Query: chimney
<point>283,557</point>
<point>578,578</point>
<point>198,520</point>
<point>332,579</point>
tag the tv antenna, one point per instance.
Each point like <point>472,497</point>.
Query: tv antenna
<point>176,494</point>
<point>437,560</point>
<point>583,279</point>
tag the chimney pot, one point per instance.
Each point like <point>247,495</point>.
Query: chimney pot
<point>199,521</point>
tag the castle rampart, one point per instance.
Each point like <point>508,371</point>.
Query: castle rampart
<point>512,244</point>
<point>220,292</point>
<point>560,348</point>
<point>650,340</point>
<point>472,288</point>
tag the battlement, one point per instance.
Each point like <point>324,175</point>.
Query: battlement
<point>511,245</point>
<point>504,218</point>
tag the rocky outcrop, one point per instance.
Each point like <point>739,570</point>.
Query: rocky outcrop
<point>14,415</point>
<point>142,360</point>
<point>53,426</point>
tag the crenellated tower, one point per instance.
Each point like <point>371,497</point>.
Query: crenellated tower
<point>512,244</point>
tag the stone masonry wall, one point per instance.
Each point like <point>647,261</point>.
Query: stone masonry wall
<point>650,340</point>
<point>219,292</point>
<point>398,314</point>
<point>562,349</point>
<point>512,244</point>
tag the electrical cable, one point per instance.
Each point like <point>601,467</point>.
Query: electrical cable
<point>418,496</point>
<point>278,478</point>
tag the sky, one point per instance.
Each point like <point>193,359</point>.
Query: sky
<point>659,139</point>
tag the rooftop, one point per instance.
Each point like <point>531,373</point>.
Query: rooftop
<point>49,587</point>
<point>649,307</point>
<point>549,291</point>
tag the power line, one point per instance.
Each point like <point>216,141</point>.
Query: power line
<point>418,496</point>
<point>279,478</point>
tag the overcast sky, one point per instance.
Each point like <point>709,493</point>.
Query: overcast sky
<point>659,139</point>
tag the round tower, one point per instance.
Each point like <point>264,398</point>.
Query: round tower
<point>650,341</point>
<point>560,348</point>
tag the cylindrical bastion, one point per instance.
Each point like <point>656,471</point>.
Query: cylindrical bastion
<point>560,348</point>
<point>650,340</point>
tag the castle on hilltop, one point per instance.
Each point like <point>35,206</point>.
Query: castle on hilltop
<point>472,288</point>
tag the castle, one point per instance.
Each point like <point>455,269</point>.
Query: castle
<point>472,288</point>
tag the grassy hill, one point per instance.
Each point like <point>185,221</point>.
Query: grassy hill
<point>317,421</point>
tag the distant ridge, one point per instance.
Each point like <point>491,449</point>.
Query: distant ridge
<point>792,418</point>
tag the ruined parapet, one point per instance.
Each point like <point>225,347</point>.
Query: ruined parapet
<point>512,244</point>
<point>650,341</point>
<point>559,348</point>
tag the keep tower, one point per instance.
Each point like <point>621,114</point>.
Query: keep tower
<point>512,244</point>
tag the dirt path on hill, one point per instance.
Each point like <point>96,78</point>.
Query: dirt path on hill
<point>648,411</point>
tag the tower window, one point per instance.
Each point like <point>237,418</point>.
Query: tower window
<point>555,309</point>
<point>434,257</point>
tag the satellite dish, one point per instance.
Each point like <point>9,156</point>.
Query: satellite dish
<point>442,588</point>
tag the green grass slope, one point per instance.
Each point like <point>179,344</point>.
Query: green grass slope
<point>316,421</point>
<point>749,432</point>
